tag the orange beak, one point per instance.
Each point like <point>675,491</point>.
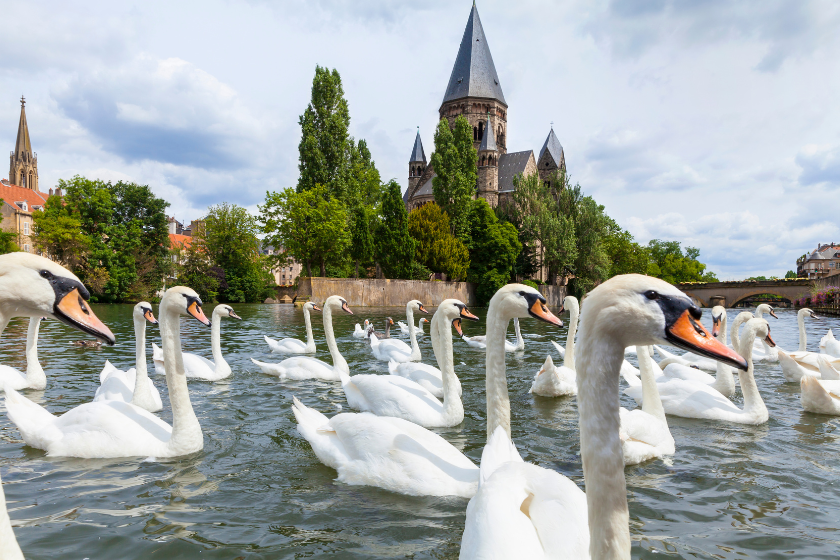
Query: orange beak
<point>716,321</point>
<point>769,340</point>
<point>540,311</point>
<point>195,310</point>
<point>150,317</point>
<point>345,308</point>
<point>73,310</point>
<point>456,322</point>
<point>316,308</point>
<point>423,309</point>
<point>690,335</point>
<point>773,314</point>
<point>465,313</point>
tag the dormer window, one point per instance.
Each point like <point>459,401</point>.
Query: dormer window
<point>22,205</point>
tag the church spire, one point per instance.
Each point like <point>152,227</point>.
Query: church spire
<point>23,145</point>
<point>23,163</point>
<point>417,153</point>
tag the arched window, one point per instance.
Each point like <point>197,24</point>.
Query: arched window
<point>475,134</point>
<point>480,130</point>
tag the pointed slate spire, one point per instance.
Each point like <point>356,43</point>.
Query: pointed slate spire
<point>555,149</point>
<point>417,153</point>
<point>23,145</point>
<point>488,141</point>
<point>474,74</point>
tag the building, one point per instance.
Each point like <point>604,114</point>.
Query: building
<point>474,91</point>
<point>821,262</point>
<point>287,274</point>
<point>23,162</point>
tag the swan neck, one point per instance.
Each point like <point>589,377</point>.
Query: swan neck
<point>216,344</point>
<point>803,336</point>
<point>498,400</point>
<point>415,348</point>
<point>651,401</point>
<point>520,342</point>
<point>35,376</point>
<point>753,403</point>
<point>185,427</point>
<point>603,460</point>
<point>310,340</point>
<point>569,358</point>
<point>442,347</point>
<point>339,362</point>
<point>140,353</point>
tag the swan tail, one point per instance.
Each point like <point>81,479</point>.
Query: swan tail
<point>560,349</point>
<point>815,398</point>
<point>393,365</point>
<point>498,451</point>
<point>271,369</point>
<point>826,369</point>
<point>106,371</point>
<point>157,353</point>
<point>30,418</point>
<point>316,429</point>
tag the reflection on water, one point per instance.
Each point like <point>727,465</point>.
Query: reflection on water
<point>257,490</point>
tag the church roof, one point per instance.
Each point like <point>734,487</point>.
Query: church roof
<point>11,194</point>
<point>510,165</point>
<point>488,141</point>
<point>474,74</point>
<point>426,188</point>
<point>552,144</point>
<point>417,153</point>
<point>23,144</point>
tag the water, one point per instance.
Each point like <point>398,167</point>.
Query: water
<point>257,491</point>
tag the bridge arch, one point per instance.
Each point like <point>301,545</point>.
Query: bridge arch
<point>697,301</point>
<point>757,292</point>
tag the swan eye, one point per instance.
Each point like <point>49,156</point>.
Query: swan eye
<point>652,294</point>
<point>46,274</point>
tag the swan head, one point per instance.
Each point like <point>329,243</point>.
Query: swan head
<point>184,301</point>
<point>389,321</point>
<point>570,303</point>
<point>423,320</point>
<point>313,307</point>
<point>640,310</point>
<point>452,311</point>
<point>521,301</point>
<point>764,308</point>
<point>756,328</point>
<point>718,319</point>
<point>415,305</point>
<point>35,286</point>
<point>338,302</point>
<point>806,311</point>
<point>224,310</point>
<point>144,309</point>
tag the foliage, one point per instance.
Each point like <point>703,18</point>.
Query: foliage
<point>670,263</point>
<point>625,255</point>
<point>324,140</point>
<point>493,248</point>
<point>454,160</point>
<point>361,236</point>
<point>230,241</point>
<point>198,272</point>
<point>364,185</point>
<point>436,248</point>
<point>307,225</point>
<point>394,247</point>
<point>8,242</point>
<point>790,274</point>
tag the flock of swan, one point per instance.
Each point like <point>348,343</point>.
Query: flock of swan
<point>515,509</point>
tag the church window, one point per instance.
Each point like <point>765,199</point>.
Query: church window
<point>475,134</point>
<point>480,130</point>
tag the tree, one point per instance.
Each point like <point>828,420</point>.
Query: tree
<point>455,161</point>
<point>361,236</point>
<point>625,255</point>
<point>324,140</point>
<point>493,248</point>
<point>8,242</point>
<point>59,234</point>
<point>364,185</point>
<point>790,274</point>
<point>230,241</point>
<point>198,272</point>
<point>308,225</point>
<point>394,245</point>
<point>668,262</point>
<point>436,247</point>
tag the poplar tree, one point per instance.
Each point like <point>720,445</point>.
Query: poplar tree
<point>455,161</point>
<point>394,245</point>
<point>361,237</point>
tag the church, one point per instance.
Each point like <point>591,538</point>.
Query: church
<point>475,92</point>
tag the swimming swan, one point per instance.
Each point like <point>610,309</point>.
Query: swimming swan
<point>293,345</point>
<point>361,332</point>
<point>391,395</point>
<point>418,329</point>
<point>821,396</point>
<point>108,429</point>
<point>34,378</point>
<point>526,511</point>
<point>199,367</point>
<point>397,350</point>
<point>797,364</point>
<point>9,549</point>
<point>480,343</point>
<point>552,381</point>
<point>134,385</point>
<point>830,345</point>
<point>307,367</point>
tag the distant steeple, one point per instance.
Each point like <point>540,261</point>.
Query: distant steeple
<point>554,148</point>
<point>417,153</point>
<point>474,74</point>
<point>488,141</point>
<point>23,145</point>
<point>23,162</point>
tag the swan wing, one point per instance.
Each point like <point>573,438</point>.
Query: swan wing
<point>560,349</point>
<point>157,353</point>
<point>117,385</point>
<point>287,346</point>
<point>691,400</point>
<point>642,427</point>
<point>428,377</point>
<point>679,371</point>
<point>12,378</point>
<point>817,397</point>
<point>390,395</point>
<point>298,368</point>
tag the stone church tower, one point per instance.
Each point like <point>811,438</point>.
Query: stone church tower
<point>23,164</point>
<point>416,163</point>
<point>488,166</point>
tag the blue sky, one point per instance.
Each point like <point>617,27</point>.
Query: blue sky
<point>713,123</point>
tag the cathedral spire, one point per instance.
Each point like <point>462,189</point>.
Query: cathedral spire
<point>417,153</point>
<point>23,163</point>
<point>23,145</point>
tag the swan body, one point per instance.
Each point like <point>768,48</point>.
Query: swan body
<point>418,329</point>
<point>108,429</point>
<point>293,345</point>
<point>307,367</point>
<point>830,345</point>
<point>821,396</point>
<point>34,378</point>
<point>199,367</point>
<point>389,322</point>
<point>397,350</point>
<point>480,342</point>
<point>129,386</point>
<point>391,395</point>
<point>550,380</point>
<point>9,549</point>
<point>361,331</point>
<point>765,352</point>
<point>428,377</point>
<point>644,432</point>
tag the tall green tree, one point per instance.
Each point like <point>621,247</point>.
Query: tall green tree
<point>364,184</point>
<point>196,270</point>
<point>436,247</point>
<point>361,236</point>
<point>394,245</point>
<point>625,255</point>
<point>670,263</point>
<point>455,161</point>
<point>324,142</point>
<point>310,226</point>
<point>493,248</point>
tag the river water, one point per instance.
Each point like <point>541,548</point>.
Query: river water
<point>257,491</point>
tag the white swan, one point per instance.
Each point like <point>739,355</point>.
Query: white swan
<point>372,334</point>
<point>307,367</point>
<point>427,376</point>
<point>199,367</point>
<point>821,396</point>
<point>134,385</point>
<point>480,343</point>
<point>797,364</point>
<point>293,345</point>
<point>391,395</point>
<point>361,332</point>
<point>9,549</point>
<point>830,345</point>
<point>690,399</point>
<point>397,350</point>
<point>418,329</point>
<point>644,432</point>
<point>393,453</point>
<point>525,511</point>
<point>108,429</point>
<point>34,378</point>
<point>552,381</point>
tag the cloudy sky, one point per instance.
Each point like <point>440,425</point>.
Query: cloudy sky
<point>714,123</point>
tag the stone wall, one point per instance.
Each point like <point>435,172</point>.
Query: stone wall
<point>554,295</point>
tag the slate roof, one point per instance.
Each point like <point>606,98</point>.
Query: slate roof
<point>426,188</point>
<point>474,74</point>
<point>552,144</point>
<point>510,165</point>
<point>488,141</point>
<point>417,153</point>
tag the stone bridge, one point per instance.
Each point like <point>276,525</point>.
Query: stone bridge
<point>728,294</point>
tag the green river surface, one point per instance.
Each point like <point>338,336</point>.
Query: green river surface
<point>258,491</point>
